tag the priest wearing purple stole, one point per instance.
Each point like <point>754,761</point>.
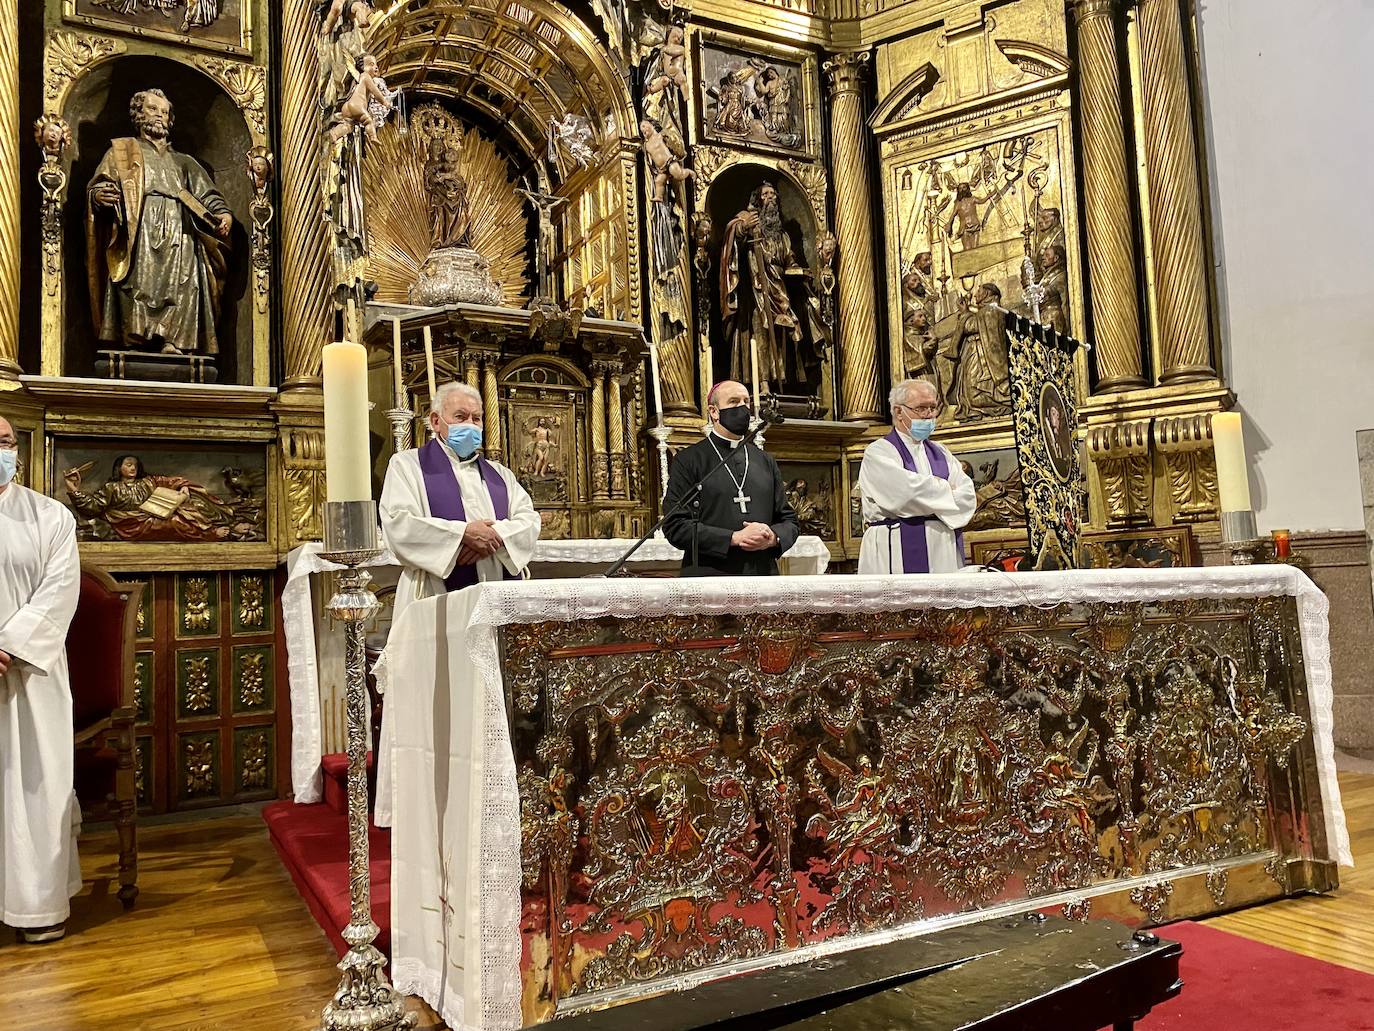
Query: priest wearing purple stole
<point>451,517</point>
<point>916,496</point>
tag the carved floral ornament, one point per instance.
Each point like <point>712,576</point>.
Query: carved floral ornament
<point>811,179</point>
<point>71,55</point>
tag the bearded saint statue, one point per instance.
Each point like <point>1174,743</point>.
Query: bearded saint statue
<point>155,234</point>
<point>756,259</point>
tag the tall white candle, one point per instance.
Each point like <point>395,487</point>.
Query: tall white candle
<point>754,369</point>
<point>396,360</point>
<point>654,375</point>
<point>429,363</point>
<point>1233,476</point>
<point>347,464</point>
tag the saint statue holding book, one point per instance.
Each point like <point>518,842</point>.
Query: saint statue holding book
<point>156,231</point>
<point>138,506</point>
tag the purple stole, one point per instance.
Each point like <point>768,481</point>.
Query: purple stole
<point>446,500</point>
<point>915,552</point>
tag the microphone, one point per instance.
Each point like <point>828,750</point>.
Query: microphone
<point>768,417</point>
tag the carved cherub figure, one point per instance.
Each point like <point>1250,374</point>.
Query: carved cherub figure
<point>663,160</point>
<point>53,136</point>
<point>355,111</point>
<point>669,64</point>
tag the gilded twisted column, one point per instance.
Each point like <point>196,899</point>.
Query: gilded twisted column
<point>860,386</point>
<point>616,444</point>
<point>601,466</point>
<point>1107,202</point>
<point>306,303</point>
<point>491,411</point>
<point>1175,226</point>
<point>9,190</point>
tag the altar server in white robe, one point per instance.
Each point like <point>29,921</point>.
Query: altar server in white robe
<point>40,579</point>
<point>916,496</point>
<point>452,519</point>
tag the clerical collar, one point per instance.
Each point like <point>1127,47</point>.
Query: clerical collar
<point>725,440</point>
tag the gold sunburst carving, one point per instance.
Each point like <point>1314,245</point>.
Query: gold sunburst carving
<point>398,214</point>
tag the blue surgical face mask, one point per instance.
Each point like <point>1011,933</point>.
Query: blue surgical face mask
<point>465,439</point>
<point>921,429</point>
<point>9,464</point>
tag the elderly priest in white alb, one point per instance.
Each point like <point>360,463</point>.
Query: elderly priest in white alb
<point>916,496</point>
<point>40,579</point>
<point>452,519</point>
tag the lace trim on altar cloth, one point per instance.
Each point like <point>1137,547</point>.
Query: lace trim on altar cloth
<point>538,600</point>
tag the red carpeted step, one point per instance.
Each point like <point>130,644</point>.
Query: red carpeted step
<point>1233,982</point>
<point>312,841</point>
<point>334,767</point>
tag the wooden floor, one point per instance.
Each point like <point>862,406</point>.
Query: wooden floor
<point>220,941</point>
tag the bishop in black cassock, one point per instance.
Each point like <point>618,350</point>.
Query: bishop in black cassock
<point>741,523</point>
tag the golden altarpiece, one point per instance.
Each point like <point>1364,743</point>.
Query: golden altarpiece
<point>818,195</point>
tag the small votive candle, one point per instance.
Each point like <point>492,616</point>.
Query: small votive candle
<point>1283,544</point>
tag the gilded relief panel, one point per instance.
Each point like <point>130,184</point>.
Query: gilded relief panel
<point>996,476</point>
<point>813,489</point>
<point>224,25</point>
<point>975,225</point>
<point>160,492</point>
<point>757,96</point>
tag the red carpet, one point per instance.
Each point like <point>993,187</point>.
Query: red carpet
<point>1233,984</point>
<point>312,841</point>
<point>1229,983</point>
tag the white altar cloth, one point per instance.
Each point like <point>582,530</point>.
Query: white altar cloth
<point>455,870</point>
<point>808,556</point>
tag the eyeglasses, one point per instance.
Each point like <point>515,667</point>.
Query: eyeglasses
<point>923,411</point>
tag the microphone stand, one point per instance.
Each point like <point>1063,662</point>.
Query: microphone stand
<point>690,498</point>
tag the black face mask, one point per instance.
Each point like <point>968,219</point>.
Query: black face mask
<point>735,420</point>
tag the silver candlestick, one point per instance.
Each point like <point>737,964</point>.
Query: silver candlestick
<point>661,434</point>
<point>402,421</point>
<point>365,1000</point>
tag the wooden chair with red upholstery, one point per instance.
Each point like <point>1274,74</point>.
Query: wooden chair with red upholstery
<point>100,659</point>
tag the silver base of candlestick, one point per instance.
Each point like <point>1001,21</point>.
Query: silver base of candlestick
<point>1240,536</point>
<point>365,1000</point>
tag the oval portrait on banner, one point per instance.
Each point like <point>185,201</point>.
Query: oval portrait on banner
<point>1056,430</point>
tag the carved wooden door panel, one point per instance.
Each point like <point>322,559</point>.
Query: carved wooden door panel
<point>213,722</point>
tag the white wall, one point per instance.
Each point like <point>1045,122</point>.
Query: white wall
<point>1289,95</point>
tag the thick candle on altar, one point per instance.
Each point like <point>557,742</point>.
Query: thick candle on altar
<point>1233,477</point>
<point>654,375</point>
<point>347,462</point>
<point>396,360</point>
<point>429,363</point>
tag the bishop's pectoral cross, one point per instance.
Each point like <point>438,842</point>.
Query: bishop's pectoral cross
<point>742,500</point>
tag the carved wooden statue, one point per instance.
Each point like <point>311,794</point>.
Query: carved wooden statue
<point>757,260</point>
<point>156,227</point>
